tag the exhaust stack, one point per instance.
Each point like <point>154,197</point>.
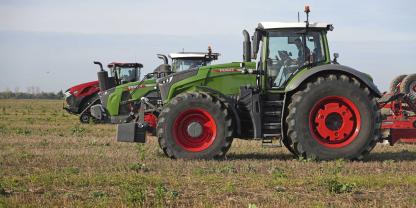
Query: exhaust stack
<point>103,81</point>
<point>163,57</point>
<point>246,47</point>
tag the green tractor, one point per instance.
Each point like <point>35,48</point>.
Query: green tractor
<point>121,104</point>
<point>295,95</point>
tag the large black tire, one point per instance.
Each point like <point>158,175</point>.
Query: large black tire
<point>176,118</point>
<point>333,117</point>
<point>396,81</point>
<point>408,85</point>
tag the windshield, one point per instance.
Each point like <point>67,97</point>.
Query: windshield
<point>185,64</point>
<point>126,75</point>
<point>286,52</point>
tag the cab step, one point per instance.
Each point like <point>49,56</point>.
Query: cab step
<point>270,144</point>
<point>272,113</point>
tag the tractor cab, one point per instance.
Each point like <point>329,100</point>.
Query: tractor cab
<point>120,73</point>
<point>182,61</point>
<point>287,48</point>
<point>125,72</point>
<point>186,60</point>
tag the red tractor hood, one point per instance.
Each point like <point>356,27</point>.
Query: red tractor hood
<point>84,89</point>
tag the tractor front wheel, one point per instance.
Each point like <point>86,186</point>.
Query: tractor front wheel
<point>333,117</point>
<point>195,126</point>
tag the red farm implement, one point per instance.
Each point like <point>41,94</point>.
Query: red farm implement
<point>399,110</point>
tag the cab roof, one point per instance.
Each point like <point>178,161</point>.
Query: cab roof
<point>281,25</point>
<point>192,55</point>
<point>125,65</point>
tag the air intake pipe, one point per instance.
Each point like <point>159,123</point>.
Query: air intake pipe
<point>102,77</point>
<point>163,57</point>
<point>246,47</point>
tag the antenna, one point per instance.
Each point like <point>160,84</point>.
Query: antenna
<point>298,17</point>
<point>307,10</point>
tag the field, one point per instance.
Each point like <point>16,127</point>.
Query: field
<point>48,159</point>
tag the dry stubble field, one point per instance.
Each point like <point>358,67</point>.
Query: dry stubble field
<point>48,159</point>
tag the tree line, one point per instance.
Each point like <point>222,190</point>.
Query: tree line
<point>30,95</point>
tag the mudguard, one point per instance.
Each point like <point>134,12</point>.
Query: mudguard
<point>231,104</point>
<point>305,74</point>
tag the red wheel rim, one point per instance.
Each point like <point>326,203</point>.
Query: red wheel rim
<point>335,121</point>
<point>190,139</point>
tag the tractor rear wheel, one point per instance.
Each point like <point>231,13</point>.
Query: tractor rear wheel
<point>195,126</point>
<point>395,82</point>
<point>333,117</point>
<point>408,85</point>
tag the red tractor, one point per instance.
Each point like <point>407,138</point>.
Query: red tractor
<point>79,97</point>
<point>398,108</point>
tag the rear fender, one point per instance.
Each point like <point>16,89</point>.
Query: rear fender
<point>307,74</point>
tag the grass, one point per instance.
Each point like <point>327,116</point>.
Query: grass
<point>49,159</point>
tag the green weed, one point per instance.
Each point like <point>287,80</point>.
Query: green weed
<point>136,194</point>
<point>3,129</point>
<point>230,187</point>
<point>160,194</point>
<point>30,120</point>
<point>278,173</point>
<point>44,143</point>
<point>99,194</point>
<point>72,170</point>
<point>78,131</point>
<point>336,187</point>
<point>337,168</point>
<point>141,151</point>
<point>24,132</point>
<point>252,206</point>
<point>25,155</point>
<point>138,167</point>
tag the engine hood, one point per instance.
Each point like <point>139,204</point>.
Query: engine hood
<point>84,88</point>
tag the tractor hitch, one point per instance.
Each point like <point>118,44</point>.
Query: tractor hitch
<point>131,132</point>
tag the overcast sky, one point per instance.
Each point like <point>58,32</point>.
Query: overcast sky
<point>51,44</point>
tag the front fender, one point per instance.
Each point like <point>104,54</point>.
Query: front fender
<point>304,75</point>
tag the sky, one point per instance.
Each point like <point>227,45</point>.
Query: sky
<point>51,44</point>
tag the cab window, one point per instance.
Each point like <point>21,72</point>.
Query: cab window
<point>286,53</point>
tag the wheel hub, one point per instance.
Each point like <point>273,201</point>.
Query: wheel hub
<point>334,121</point>
<point>194,129</point>
<point>85,118</point>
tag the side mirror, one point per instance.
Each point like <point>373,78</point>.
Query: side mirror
<point>336,56</point>
<point>256,43</point>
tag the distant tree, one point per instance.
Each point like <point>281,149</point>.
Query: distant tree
<point>30,95</point>
<point>60,94</point>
